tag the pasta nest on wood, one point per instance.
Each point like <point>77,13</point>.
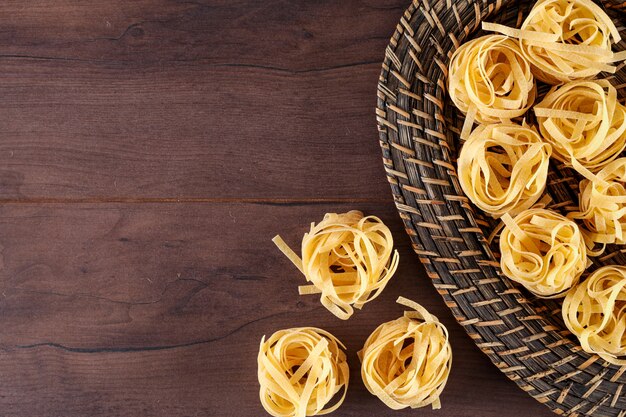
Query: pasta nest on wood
<point>300,370</point>
<point>542,250</point>
<point>595,311</point>
<point>584,123</point>
<point>490,81</point>
<point>348,258</point>
<point>503,168</point>
<point>406,362</point>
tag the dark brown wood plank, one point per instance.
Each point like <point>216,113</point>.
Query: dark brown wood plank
<point>158,309</point>
<point>165,99</point>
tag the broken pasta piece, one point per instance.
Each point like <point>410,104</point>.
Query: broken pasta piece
<point>348,258</point>
<point>406,362</point>
<point>594,312</point>
<point>503,168</point>
<point>542,250</point>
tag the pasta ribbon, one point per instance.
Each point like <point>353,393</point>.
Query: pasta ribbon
<point>300,370</point>
<point>566,40</point>
<point>406,362</point>
<point>594,311</point>
<point>348,258</point>
<point>602,202</point>
<point>490,81</point>
<point>584,123</point>
<point>542,250</point>
<point>503,168</point>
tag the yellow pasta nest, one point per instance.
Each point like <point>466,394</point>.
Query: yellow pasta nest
<point>542,250</point>
<point>490,81</point>
<point>406,362</point>
<point>594,312</point>
<point>503,168</point>
<point>300,371</point>
<point>348,258</point>
<point>584,123</point>
<point>566,40</point>
<point>602,204</point>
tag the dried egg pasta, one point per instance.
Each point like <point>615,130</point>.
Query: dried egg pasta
<point>300,370</point>
<point>542,250</point>
<point>348,258</point>
<point>584,123</point>
<point>566,40</point>
<point>594,312</point>
<point>503,168</point>
<point>490,81</point>
<point>406,362</point>
<point>602,202</point>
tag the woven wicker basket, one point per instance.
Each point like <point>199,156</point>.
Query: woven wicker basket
<point>523,336</point>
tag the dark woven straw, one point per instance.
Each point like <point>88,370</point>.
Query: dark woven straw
<point>523,336</point>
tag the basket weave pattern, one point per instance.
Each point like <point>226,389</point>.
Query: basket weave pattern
<point>419,127</point>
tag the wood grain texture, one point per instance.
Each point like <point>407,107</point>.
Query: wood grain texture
<point>150,150</point>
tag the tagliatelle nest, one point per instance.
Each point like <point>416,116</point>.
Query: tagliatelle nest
<point>542,250</point>
<point>300,370</point>
<point>602,204</point>
<point>348,258</point>
<point>595,312</point>
<point>566,40</point>
<point>490,81</point>
<point>406,362</point>
<point>503,168</point>
<point>584,123</point>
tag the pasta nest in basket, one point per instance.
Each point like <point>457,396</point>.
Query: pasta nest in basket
<point>300,370</point>
<point>602,204</point>
<point>566,40</point>
<point>348,258</point>
<point>542,250</point>
<point>490,81</point>
<point>584,123</point>
<point>503,168</point>
<point>595,312</point>
<point>406,362</point>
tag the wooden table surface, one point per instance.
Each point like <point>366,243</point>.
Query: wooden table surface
<point>149,151</point>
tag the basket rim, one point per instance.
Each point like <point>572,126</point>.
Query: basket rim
<point>418,159</point>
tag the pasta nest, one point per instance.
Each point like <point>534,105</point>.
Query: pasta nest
<point>503,168</point>
<point>406,362</point>
<point>595,312</point>
<point>602,203</point>
<point>566,40</point>
<point>584,123</point>
<point>300,370</point>
<point>490,80</point>
<point>542,250</point>
<point>349,259</point>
